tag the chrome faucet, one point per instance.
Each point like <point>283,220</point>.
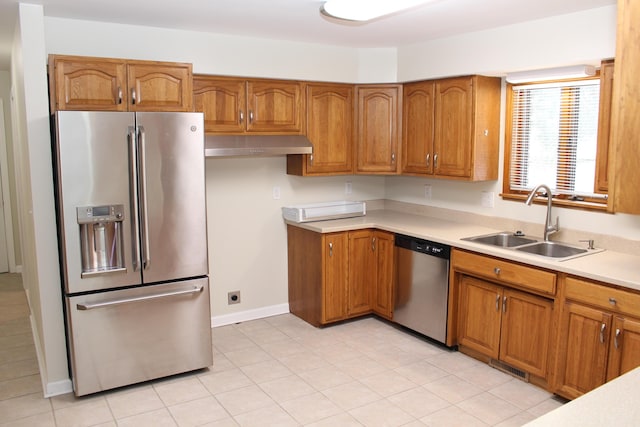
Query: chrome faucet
<point>548,227</point>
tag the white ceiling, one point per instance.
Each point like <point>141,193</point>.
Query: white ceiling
<point>299,20</point>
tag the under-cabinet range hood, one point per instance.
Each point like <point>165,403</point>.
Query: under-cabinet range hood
<point>256,145</point>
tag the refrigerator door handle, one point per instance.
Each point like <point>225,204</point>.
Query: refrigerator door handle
<point>133,195</point>
<point>91,306</point>
<point>144,219</point>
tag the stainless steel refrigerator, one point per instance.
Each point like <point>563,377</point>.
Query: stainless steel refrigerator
<point>131,210</point>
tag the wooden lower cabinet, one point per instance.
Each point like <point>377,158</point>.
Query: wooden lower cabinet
<point>595,344</point>
<point>505,324</point>
<point>337,276</point>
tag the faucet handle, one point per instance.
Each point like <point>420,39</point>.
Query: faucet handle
<point>589,242</point>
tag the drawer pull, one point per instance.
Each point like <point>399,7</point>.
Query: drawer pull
<point>615,341</point>
<point>497,271</point>
<point>612,301</point>
<point>330,249</point>
<point>602,329</point>
<point>497,302</point>
<point>91,306</point>
<point>504,304</point>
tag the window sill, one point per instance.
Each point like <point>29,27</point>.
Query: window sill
<point>591,206</point>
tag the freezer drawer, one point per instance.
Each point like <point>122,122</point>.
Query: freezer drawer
<point>128,336</point>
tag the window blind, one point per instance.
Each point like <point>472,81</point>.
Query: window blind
<point>554,136</point>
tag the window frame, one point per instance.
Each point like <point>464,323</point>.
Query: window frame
<point>564,200</point>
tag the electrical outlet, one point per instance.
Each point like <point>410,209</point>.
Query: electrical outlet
<point>427,191</point>
<point>233,297</point>
<point>276,193</point>
<point>347,187</point>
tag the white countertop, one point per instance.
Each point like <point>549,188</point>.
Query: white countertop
<point>612,404</point>
<point>607,266</point>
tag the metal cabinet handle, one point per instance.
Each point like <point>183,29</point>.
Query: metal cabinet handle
<point>194,290</point>
<point>250,116</point>
<point>498,302</point>
<point>241,116</point>
<point>612,301</point>
<point>616,343</point>
<point>393,157</point>
<point>330,249</point>
<point>427,159</point>
<point>435,160</point>
<point>119,95</point>
<point>504,304</point>
<point>602,329</point>
<point>373,244</point>
<point>311,158</point>
<point>133,96</point>
<point>497,271</point>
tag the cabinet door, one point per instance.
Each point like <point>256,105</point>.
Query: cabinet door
<point>378,133</point>
<point>159,87</point>
<point>624,350</point>
<point>480,315</point>
<point>453,127</point>
<point>604,126</point>
<point>362,271</point>
<point>330,129</point>
<point>417,128</point>
<point>88,84</point>
<point>526,330</point>
<point>335,255</point>
<point>223,102</point>
<point>384,246</point>
<point>274,106</point>
<point>583,349</point>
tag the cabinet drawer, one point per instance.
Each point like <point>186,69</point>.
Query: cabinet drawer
<point>603,296</point>
<point>506,272</point>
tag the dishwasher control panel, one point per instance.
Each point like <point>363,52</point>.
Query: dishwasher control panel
<point>415,244</point>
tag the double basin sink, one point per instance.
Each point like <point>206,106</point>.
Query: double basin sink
<point>519,242</point>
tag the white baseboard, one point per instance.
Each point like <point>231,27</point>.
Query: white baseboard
<point>18,269</point>
<point>245,316</point>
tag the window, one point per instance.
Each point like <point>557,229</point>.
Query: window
<point>552,139</point>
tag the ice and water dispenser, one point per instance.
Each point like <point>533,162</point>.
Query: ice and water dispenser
<point>101,239</point>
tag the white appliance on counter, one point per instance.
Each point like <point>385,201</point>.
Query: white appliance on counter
<point>324,211</point>
<point>130,200</point>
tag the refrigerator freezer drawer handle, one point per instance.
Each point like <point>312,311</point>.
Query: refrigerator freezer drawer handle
<point>194,290</point>
<point>133,191</point>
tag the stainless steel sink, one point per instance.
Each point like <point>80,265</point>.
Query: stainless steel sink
<point>552,250</point>
<point>503,239</point>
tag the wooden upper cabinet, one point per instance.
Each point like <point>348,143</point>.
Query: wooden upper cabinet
<point>378,132</point>
<point>79,83</point>
<point>624,155</point>
<point>417,127</point>
<point>604,126</point>
<point>237,105</point>
<point>105,84</point>
<point>451,128</point>
<point>329,127</point>
<point>159,87</point>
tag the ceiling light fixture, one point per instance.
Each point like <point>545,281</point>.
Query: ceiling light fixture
<point>571,72</point>
<point>366,10</point>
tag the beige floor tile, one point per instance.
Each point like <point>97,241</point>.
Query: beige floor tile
<point>265,336</point>
<point>489,408</point>
<point>198,412</point>
<point>272,415</point>
<point>231,341</point>
<point>86,414</point>
<point>452,389</point>
<point>220,382</point>
<point>517,420</point>
<point>343,420</point>
<point>287,388</point>
<point>45,419</point>
<point>421,372</point>
<point>361,367</point>
<point>326,377</point>
<point>157,418</point>
<point>183,390</point>
<point>247,356</point>
<point>267,370</point>
<point>303,362</point>
<point>451,416</point>
<point>128,402</point>
<point>244,400</point>
<point>311,408</point>
<point>220,363</point>
<point>419,402</point>
<point>388,383</point>
<point>69,399</point>
<point>351,395</point>
<point>453,362</point>
<point>20,386</point>
<point>284,348</point>
<point>521,394</point>
<point>23,406</point>
<point>547,405</point>
<point>484,376</point>
<point>226,422</point>
<point>381,414</point>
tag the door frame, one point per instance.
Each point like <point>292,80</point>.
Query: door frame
<point>6,195</point>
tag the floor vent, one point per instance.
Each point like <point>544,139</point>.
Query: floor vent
<point>524,376</point>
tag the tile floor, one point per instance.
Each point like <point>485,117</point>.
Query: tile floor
<point>280,371</point>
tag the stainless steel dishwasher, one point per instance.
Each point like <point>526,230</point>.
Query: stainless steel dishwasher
<point>422,286</point>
